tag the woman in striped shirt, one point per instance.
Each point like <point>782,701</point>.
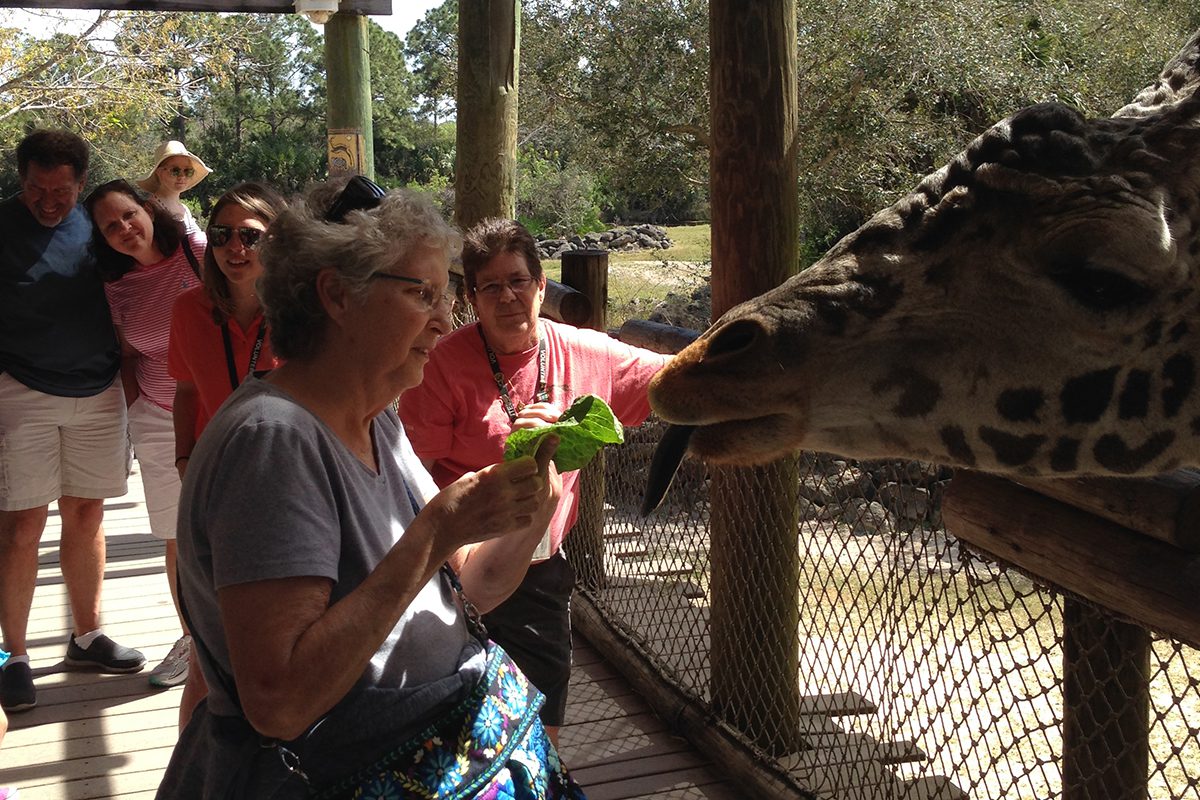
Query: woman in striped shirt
<point>147,260</point>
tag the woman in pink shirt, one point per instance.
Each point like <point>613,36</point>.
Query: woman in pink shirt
<point>218,334</point>
<point>147,260</point>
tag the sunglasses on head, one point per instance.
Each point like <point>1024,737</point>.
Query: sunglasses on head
<point>360,194</point>
<point>219,236</point>
<point>185,172</point>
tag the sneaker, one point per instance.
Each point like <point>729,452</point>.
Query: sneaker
<point>174,668</point>
<point>104,655</point>
<point>16,688</point>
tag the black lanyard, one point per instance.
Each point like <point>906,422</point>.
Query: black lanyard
<point>542,395</point>
<point>234,380</point>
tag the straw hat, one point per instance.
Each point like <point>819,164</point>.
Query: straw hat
<point>170,149</point>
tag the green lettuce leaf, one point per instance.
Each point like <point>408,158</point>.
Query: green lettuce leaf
<point>583,429</point>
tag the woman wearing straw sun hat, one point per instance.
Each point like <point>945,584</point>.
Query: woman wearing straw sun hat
<point>175,171</point>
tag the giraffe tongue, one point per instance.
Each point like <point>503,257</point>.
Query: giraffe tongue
<point>667,455</point>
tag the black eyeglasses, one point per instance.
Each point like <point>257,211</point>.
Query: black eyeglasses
<point>219,236</point>
<point>185,172</point>
<point>360,194</point>
<point>518,286</point>
<point>428,298</point>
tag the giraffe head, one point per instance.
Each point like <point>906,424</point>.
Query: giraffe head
<point>1033,307</point>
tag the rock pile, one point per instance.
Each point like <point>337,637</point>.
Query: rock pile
<point>623,239</point>
<point>870,496</point>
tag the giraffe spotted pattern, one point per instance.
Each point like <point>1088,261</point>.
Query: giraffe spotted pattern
<point>1030,308</point>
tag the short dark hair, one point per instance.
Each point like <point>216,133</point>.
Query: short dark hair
<point>168,231</point>
<point>490,238</point>
<point>53,148</point>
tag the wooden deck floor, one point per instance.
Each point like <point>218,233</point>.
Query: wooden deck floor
<point>100,736</point>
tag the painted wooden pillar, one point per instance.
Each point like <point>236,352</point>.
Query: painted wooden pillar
<point>754,517</point>
<point>485,175</point>
<point>348,86</point>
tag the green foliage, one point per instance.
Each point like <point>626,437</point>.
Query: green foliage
<point>586,426</point>
<point>621,87</point>
<point>555,198</point>
<point>432,47</point>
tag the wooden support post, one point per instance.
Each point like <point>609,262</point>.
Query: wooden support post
<point>489,50</point>
<point>586,271</point>
<point>348,85</point>
<point>754,549</point>
<point>1106,706</point>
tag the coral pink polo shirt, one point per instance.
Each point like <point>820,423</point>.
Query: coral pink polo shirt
<point>456,419</point>
<point>197,353</point>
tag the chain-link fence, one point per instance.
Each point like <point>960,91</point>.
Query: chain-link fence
<point>923,669</point>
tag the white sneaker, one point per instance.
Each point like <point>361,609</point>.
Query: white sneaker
<point>174,668</point>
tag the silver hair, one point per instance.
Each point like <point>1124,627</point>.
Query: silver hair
<point>299,244</point>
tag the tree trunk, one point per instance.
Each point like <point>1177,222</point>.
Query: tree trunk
<point>485,176</point>
<point>755,519</point>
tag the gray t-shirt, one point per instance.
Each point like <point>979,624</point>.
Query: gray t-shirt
<point>270,492</point>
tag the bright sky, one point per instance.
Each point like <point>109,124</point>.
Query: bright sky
<point>405,14</point>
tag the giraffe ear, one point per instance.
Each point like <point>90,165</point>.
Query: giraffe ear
<point>1176,86</point>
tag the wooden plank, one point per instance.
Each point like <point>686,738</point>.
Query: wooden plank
<point>934,787</point>
<point>658,785</point>
<point>1135,576</point>
<point>837,704</point>
<point>867,747</point>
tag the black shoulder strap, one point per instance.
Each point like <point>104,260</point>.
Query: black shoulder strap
<point>191,257</point>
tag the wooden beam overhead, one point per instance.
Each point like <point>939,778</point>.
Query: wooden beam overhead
<point>252,6</point>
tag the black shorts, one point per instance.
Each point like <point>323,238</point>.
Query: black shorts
<point>534,627</point>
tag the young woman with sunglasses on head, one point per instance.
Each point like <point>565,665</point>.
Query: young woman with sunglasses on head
<point>218,335</point>
<point>176,170</point>
<point>147,260</point>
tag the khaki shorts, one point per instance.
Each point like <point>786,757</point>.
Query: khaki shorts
<point>53,446</point>
<point>152,431</point>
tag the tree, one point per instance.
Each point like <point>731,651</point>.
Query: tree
<point>264,120</point>
<point>432,47</point>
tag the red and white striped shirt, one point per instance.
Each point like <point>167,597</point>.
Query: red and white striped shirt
<point>141,301</point>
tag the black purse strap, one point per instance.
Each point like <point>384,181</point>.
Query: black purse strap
<point>191,257</point>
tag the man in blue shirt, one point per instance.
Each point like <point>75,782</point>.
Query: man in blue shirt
<point>62,412</point>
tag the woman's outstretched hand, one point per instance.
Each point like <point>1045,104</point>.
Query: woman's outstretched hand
<point>503,498</point>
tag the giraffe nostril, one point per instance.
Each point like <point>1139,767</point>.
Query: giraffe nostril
<point>733,339</point>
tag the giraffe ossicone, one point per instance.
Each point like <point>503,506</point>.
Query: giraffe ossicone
<point>1033,308</point>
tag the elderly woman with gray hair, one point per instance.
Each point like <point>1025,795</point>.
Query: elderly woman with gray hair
<point>324,576</point>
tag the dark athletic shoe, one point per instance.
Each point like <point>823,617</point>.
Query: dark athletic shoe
<point>16,688</point>
<point>104,655</point>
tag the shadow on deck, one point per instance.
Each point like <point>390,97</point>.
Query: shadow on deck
<point>101,736</point>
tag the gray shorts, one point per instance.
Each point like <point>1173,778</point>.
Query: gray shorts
<point>534,627</point>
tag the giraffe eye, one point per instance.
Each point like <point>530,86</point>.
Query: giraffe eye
<point>1100,289</point>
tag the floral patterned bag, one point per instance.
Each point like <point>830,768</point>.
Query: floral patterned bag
<point>492,747</point>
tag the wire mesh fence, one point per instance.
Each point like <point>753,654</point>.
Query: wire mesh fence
<point>918,667</point>
<point>923,669</point>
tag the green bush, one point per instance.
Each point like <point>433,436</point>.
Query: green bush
<point>556,200</point>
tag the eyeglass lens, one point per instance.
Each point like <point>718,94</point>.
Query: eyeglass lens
<point>360,194</point>
<point>186,172</point>
<point>426,295</point>
<point>219,236</point>
<point>517,285</point>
